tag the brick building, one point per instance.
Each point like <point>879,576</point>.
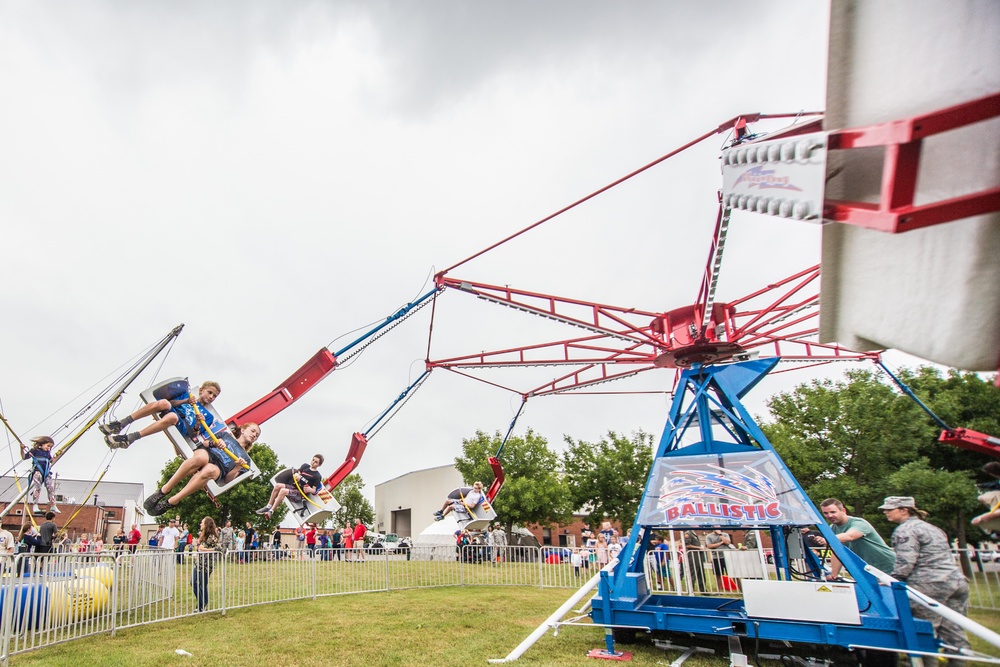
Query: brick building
<point>111,506</point>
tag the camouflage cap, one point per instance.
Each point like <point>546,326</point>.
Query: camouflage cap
<point>896,502</point>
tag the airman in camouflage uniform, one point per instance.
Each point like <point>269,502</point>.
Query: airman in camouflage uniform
<point>925,562</point>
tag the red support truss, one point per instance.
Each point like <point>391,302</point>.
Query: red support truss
<point>903,142</point>
<point>778,320</point>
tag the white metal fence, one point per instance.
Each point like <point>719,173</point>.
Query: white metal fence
<point>51,598</point>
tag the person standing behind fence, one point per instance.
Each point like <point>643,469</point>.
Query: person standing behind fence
<point>348,534</point>
<point>323,543</point>
<point>608,532</point>
<point>208,549</point>
<point>239,543</point>
<point>491,544</point>
<point>359,538</point>
<point>249,539</point>
<point>336,543</point>
<point>695,557</point>
<point>46,533</point>
<point>227,537</point>
<point>7,543</point>
<point>717,542</point>
<point>925,562</point>
<point>602,551</point>
<point>182,541</point>
<point>311,540</point>
<point>500,535</point>
<point>169,536</point>
<point>134,537</point>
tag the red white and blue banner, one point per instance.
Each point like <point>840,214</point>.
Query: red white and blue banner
<point>738,489</point>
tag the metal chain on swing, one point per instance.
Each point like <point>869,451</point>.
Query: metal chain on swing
<point>409,395</point>
<point>381,333</point>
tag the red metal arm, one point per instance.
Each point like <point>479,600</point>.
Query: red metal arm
<point>902,140</point>
<point>354,454</point>
<point>972,440</point>
<point>498,478</point>
<point>305,378</point>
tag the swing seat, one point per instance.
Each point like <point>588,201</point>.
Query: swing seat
<point>482,515</point>
<point>318,508</point>
<point>185,447</point>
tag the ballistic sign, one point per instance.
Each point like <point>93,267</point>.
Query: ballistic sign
<point>740,489</point>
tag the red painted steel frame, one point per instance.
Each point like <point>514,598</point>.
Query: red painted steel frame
<point>305,378</point>
<point>902,140</point>
<point>972,440</point>
<point>498,478</point>
<point>782,324</point>
<point>354,453</point>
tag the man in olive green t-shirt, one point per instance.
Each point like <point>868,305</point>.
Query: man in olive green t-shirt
<point>857,535</point>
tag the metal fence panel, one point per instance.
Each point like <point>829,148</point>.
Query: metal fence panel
<point>52,598</point>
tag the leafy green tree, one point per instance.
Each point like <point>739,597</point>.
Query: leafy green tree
<point>844,439</point>
<point>608,477</point>
<point>535,491</point>
<point>353,504</point>
<point>949,497</point>
<point>237,504</point>
<point>960,400</point>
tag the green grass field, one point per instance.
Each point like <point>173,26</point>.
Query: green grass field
<point>423,628</point>
<point>444,624</point>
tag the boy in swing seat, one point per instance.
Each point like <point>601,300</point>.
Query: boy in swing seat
<point>462,500</point>
<point>307,478</point>
<point>180,412</point>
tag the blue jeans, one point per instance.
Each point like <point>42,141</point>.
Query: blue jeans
<point>199,582</point>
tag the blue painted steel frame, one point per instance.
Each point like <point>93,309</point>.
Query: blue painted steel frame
<point>624,599</point>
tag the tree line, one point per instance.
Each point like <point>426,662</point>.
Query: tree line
<point>858,439</point>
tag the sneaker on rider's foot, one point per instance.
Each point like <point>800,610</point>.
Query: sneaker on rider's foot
<point>55,509</point>
<point>162,507</point>
<point>111,428</point>
<point>439,517</point>
<point>35,510</point>
<point>266,509</point>
<point>150,502</point>
<point>115,441</point>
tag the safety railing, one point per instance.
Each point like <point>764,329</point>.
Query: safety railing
<point>52,598</point>
<point>984,582</point>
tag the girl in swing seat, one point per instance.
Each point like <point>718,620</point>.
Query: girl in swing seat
<point>205,464</point>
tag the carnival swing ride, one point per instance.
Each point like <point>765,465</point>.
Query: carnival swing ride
<point>713,467</point>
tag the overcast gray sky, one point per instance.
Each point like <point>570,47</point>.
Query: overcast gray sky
<point>274,175</point>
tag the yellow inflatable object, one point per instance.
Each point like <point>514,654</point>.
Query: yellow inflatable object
<point>76,599</point>
<point>103,573</point>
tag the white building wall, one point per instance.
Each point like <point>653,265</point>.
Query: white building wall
<point>406,505</point>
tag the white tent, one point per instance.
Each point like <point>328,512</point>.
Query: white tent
<point>436,541</point>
